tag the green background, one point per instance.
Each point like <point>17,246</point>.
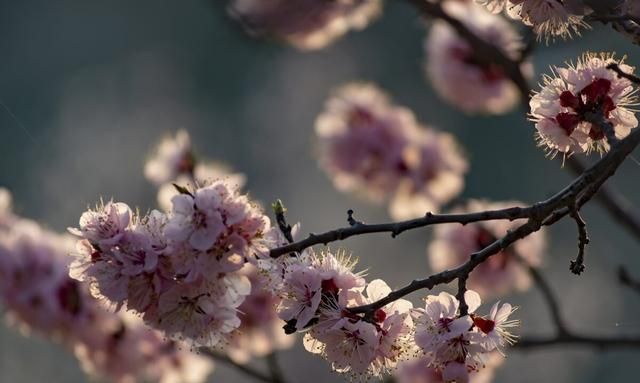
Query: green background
<point>88,87</point>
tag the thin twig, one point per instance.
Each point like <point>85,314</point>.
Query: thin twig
<point>614,67</point>
<point>577,266</point>
<point>462,289</point>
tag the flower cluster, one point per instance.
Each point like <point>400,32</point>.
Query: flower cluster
<point>569,101</point>
<point>317,291</point>
<point>306,24</point>
<point>174,162</point>
<point>457,72</point>
<point>178,270</point>
<point>457,347</point>
<point>39,297</point>
<point>369,146</point>
<point>502,272</point>
<point>549,18</point>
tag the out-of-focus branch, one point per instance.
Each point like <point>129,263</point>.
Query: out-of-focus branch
<point>222,358</point>
<point>569,339</point>
<point>548,295</point>
<point>277,376</point>
<point>626,279</point>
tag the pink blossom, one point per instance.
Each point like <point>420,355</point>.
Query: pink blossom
<point>223,228</point>
<point>106,225</point>
<point>362,140</point>
<point>371,147</point>
<point>560,109</point>
<point>173,157</point>
<point>457,346</point>
<point>434,177</point>
<point>203,174</point>
<point>501,273</point>
<point>5,201</point>
<point>495,328</point>
<point>40,298</point>
<point>306,24</point>
<point>314,280</point>
<point>352,348</point>
<point>419,370</point>
<point>549,18</point>
<point>302,295</point>
<point>200,313</point>
<point>394,325</point>
<point>457,74</point>
<point>438,323</point>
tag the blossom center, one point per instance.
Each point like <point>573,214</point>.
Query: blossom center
<point>593,98</point>
<point>485,325</point>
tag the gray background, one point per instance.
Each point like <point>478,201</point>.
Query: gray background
<point>87,87</point>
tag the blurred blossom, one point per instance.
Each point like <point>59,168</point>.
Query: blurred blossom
<point>373,148</point>
<point>260,331</point>
<point>172,157</point>
<point>632,8</point>
<point>5,201</point>
<point>453,244</point>
<point>560,109</point>
<point>39,297</point>
<point>549,18</point>
<point>454,69</point>
<point>418,370</point>
<point>174,162</point>
<point>203,174</point>
<point>306,24</point>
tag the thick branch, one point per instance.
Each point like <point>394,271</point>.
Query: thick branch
<point>396,228</point>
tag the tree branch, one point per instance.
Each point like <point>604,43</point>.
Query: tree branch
<point>626,279</point>
<point>396,228</point>
<point>222,358</point>
<point>556,207</point>
<point>527,343</point>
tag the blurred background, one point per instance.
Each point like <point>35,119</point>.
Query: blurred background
<point>88,87</point>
